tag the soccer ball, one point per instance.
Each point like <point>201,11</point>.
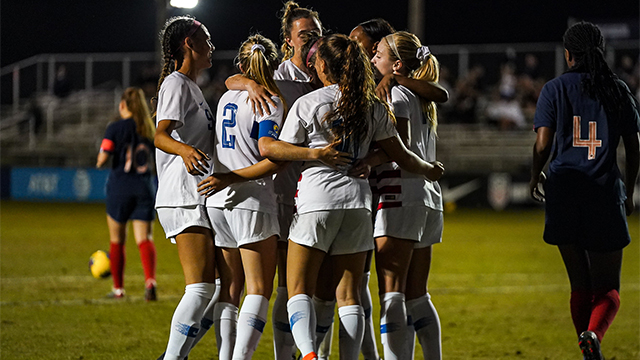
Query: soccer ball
<point>100,265</point>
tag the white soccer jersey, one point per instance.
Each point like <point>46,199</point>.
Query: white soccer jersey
<point>322,187</point>
<point>398,187</point>
<point>181,100</point>
<point>289,71</point>
<point>237,134</point>
<point>286,181</point>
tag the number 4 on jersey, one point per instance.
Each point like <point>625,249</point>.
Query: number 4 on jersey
<point>592,142</point>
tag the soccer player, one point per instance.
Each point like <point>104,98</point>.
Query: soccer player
<point>580,117</point>
<point>244,215</point>
<point>409,217</point>
<point>183,157</point>
<point>334,209</point>
<point>300,26</point>
<point>130,192</point>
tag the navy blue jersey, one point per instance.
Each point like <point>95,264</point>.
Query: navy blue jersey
<point>132,154</point>
<point>586,138</point>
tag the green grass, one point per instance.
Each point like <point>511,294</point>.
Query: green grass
<point>500,291</point>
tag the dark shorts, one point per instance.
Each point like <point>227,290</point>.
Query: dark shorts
<point>581,212</point>
<point>130,200</point>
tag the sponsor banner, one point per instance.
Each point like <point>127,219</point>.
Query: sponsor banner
<point>58,184</point>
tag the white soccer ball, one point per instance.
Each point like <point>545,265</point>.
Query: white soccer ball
<point>100,265</point>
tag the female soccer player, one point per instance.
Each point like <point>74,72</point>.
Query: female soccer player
<point>183,154</point>
<point>580,117</point>
<point>300,26</point>
<point>333,208</point>
<point>409,217</point>
<point>369,34</point>
<point>243,215</point>
<point>130,193</point>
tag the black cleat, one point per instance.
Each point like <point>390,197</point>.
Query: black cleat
<point>590,346</point>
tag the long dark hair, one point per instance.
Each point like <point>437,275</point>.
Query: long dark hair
<point>173,33</point>
<point>376,29</point>
<point>349,67</point>
<point>585,44</point>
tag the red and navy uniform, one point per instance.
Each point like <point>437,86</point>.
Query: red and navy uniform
<point>584,192</point>
<point>130,187</point>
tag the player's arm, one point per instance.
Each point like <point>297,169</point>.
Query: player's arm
<point>425,89</point>
<point>106,148</point>
<point>259,96</point>
<point>193,158</point>
<point>541,152</point>
<point>409,161</point>
<point>377,156</point>
<point>632,162</point>
<point>103,156</point>
<point>284,151</point>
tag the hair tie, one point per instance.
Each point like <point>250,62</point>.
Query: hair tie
<point>195,26</point>
<point>255,47</point>
<point>392,46</point>
<point>423,53</point>
<point>313,50</point>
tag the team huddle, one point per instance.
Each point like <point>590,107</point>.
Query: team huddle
<point>309,166</point>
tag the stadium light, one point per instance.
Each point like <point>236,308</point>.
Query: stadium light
<point>184,4</point>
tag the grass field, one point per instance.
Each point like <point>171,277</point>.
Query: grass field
<point>500,291</point>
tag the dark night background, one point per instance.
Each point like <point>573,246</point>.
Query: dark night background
<point>31,27</point>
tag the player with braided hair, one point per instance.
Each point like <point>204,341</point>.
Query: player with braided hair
<point>183,156</point>
<point>580,118</point>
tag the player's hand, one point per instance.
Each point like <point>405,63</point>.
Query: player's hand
<point>195,160</point>
<point>435,173</point>
<point>629,205</point>
<point>215,183</point>
<point>383,90</point>
<point>260,98</point>
<point>330,156</point>
<point>536,187</point>
<point>360,170</point>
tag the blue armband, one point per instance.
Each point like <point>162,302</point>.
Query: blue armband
<point>269,128</point>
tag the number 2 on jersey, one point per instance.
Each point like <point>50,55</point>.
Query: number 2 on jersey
<point>591,143</point>
<point>229,121</point>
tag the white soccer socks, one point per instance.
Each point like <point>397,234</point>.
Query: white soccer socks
<point>283,344</point>
<point>225,317</point>
<point>369,349</point>
<point>302,318</point>
<point>207,318</point>
<point>427,326</point>
<point>393,326</point>
<point>351,331</point>
<point>251,322</point>
<point>185,323</point>
<point>325,311</point>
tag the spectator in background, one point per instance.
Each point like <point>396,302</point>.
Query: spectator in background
<point>504,109</point>
<point>628,73</point>
<point>530,83</point>
<point>62,83</point>
<point>468,91</point>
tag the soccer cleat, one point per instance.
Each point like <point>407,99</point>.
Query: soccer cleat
<point>150,293</point>
<point>116,294</point>
<point>590,346</point>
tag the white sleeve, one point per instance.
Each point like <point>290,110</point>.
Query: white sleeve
<point>383,127</point>
<point>400,103</point>
<point>294,130</point>
<point>171,101</point>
